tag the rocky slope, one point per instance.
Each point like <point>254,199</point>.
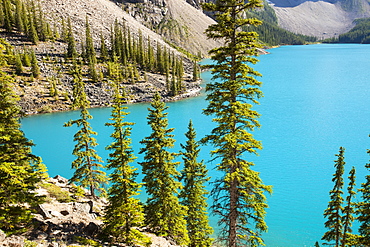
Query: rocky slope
<point>67,218</point>
<point>323,19</point>
<point>179,21</point>
<point>102,14</point>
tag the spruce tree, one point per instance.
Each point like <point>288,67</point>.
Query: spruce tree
<point>349,210</point>
<point>103,49</point>
<point>239,194</point>
<point>150,56</point>
<point>88,168</point>
<point>2,15</point>
<point>195,71</point>
<point>164,213</point>
<point>26,61</point>
<point>8,15</point>
<point>89,44</point>
<point>18,16</point>
<point>35,69</point>
<point>71,49</point>
<point>193,195</point>
<point>25,21</point>
<point>334,211</point>
<point>79,94</point>
<point>32,30</point>
<point>124,214</point>
<point>20,170</point>
<point>363,210</point>
<point>88,164</point>
<point>18,64</point>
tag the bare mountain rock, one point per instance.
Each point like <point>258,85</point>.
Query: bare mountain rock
<point>323,19</point>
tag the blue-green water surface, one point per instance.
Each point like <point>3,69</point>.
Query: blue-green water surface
<point>316,100</point>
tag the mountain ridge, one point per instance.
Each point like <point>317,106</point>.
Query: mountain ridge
<point>322,19</point>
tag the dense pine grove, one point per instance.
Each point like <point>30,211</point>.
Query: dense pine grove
<point>359,34</point>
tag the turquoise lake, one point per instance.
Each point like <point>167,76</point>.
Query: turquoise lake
<point>316,99</point>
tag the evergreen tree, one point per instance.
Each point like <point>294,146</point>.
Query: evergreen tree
<point>363,210</point>
<point>8,15</point>
<point>18,16</point>
<point>317,244</point>
<point>90,50</point>
<point>79,94</point>
<point>179,73</point>
<point>71,49</point>
<point>25,21</point>
<point>20,170</point>
<point>159,60</point>
<point>150,56</point>
<point>140,49</point>
<point>26,61</point>
<point>2,14</point>
<point>41,24</point>
<point>32,30</point>
<point>124,213</point>
<point>103,49</point>
<point>349,209</point>
<point>18,64</point>
<point>239,194</point>
<point>333,213</point>
<point>195,71</point>
<point>35,69</point>
<point>164,213</point>
<point>87,165</point>
<point>174,88</point>
<point>194,193</point>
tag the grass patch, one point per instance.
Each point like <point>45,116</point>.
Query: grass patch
<point>57,193</point>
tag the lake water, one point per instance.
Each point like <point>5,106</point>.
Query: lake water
<point>316,100</point>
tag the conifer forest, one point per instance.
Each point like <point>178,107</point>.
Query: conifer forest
<point>176,207</point>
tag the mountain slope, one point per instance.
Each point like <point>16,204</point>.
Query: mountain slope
<point>52,89</point>
<point>323,19</point>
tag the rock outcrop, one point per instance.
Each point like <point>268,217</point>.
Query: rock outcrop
<point>59,224</point>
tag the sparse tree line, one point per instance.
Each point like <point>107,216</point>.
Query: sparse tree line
<point>122,58</point>
<point>342,212</point>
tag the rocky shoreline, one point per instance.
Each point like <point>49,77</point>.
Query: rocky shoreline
<point>36,95</point>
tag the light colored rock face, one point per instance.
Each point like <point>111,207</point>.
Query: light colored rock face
<point>195,22</point>
<point>323,19</point>
<point>320,19</point>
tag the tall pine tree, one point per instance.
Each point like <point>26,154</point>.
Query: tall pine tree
<point>124,213</point>
<point>164,213</point>
<point>194,193</point>
<point>349,210</point>
<point>363,210</point>
<point>71,44</point>
<point>334,211</point>
<point>88,164</point>
<point>239,194</point>
<point>20,170</point>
